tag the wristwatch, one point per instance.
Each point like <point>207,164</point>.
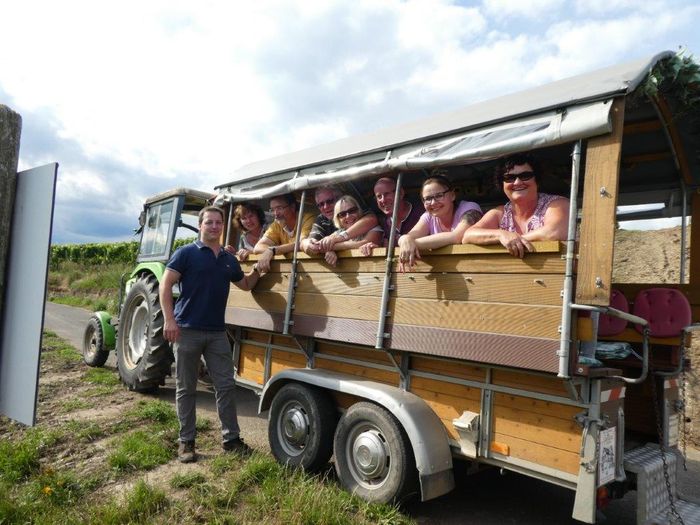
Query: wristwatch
<point>255,268</point>
<point>274,250</point>
<point>343,234</point>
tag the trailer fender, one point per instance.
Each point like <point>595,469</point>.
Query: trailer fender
<point>425,431</point>
<point>108,331</point>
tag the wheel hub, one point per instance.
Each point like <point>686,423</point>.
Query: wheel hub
<point>138,333</point>
<point>295,427</point>
<point>370,454</point>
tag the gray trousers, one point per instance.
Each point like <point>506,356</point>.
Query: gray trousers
<point>215,348</point>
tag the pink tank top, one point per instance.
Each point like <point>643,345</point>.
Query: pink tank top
<point>537,219</point>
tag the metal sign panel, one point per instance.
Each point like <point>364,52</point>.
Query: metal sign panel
<point>27,267</point>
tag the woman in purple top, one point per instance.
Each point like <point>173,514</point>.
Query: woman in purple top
<point>443,222</point>
<point>528,216</point>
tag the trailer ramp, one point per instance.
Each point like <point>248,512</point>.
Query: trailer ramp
<point>653,505</point>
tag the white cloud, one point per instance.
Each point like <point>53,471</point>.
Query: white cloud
<point>81,182</point>
<point>137,97</point>
<point>434,25</point>
<point>575,47</point>
<point>589,8</point>
<point>531,9</point>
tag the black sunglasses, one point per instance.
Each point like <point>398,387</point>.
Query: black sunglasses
<point>343,214</point>
<point>327,202</point>
<point>525,175</point>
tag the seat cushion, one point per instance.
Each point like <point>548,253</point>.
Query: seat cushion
<point>666,309</point>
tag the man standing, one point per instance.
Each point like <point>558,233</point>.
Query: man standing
<point>408,215</point>
<point>196,328</point>
<point>324,234</point>
<point>279,237</point>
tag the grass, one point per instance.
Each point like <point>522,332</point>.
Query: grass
<point>71,405</point>
<point>19,458</point>
<point>102,376</point>
<point>95,287</point>
<point>57,351</point>
<point>187,480</point>
<point>142,503</point>
<point>84,431</point>
<point>156,411</point>
<point>93,470</point>
<point>142,450</point>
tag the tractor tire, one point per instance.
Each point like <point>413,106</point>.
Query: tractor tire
<point>94,351</point>
<point>144,357</point>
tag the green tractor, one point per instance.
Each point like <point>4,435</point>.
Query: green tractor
<point>144,357</point>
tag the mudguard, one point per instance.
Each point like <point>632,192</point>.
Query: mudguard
<point>424,429</point>
<point>108,332</point>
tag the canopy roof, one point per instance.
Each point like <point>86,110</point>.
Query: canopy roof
<point>563,111</point>
<point>196,197</point>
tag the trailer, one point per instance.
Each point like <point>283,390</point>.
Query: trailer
<point>478,354</point>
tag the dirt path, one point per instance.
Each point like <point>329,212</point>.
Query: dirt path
<point>68,322</point>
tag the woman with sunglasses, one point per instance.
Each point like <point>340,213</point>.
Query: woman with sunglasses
<point>347,212</point>
<point>529,215</point>
<point>443,223</point>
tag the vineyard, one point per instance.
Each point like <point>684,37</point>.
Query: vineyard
<point>99,253</point>
<point>91,275</point>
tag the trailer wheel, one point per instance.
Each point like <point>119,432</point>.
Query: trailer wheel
<point>302,422</point>
<point>94,351</point>
<point>144,356</point>
<point>373,457</point>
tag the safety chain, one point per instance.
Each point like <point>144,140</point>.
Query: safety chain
<point>684,419</point>
<point>659,430</point>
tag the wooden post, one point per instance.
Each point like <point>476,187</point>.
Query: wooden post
<point>10,130</point>
<point>599,203</point>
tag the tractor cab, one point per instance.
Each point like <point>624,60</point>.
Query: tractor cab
<point>143,355</point>
<point>166,217</point>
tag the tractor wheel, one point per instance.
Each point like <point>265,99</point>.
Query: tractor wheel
<point>94,351</point>
<point>144,357</point>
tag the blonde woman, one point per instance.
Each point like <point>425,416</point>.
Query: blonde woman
<point>347,212</point>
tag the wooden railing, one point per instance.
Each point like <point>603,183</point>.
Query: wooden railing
<point>470,302</point>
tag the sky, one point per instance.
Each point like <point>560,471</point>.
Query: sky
<point>133,98</point>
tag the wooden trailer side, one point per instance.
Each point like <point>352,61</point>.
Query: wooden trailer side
<point>467,302</point>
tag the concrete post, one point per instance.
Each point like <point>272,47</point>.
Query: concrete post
<point>10,131</point>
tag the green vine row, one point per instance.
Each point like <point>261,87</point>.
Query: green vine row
<point>100,253</point>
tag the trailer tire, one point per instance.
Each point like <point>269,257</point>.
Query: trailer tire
<point>94,351</point>
<point>301,427</point>
<point>144,357</point>
<point>373,456</point>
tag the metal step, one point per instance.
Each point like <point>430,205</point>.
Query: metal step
<point>653,506</point>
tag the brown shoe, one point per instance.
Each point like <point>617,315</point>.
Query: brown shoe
<point>186,453</point>
<point>237,445</point>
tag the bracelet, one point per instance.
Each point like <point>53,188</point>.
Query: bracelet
<point>274,250</point>
<point>255,268</point>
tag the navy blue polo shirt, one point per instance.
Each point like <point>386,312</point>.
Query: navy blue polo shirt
<point>204,285</point>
